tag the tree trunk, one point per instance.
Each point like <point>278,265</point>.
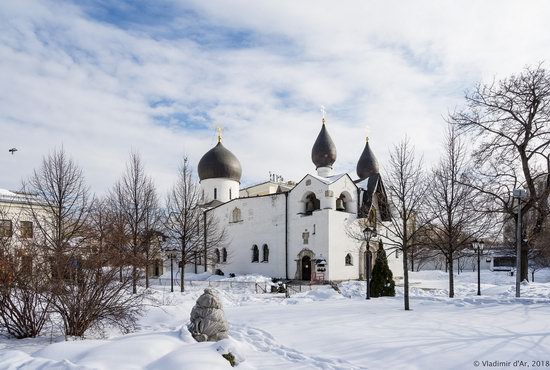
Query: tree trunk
<point>183,260</point>
<point>147,270</point>
<point>405,281</point>
<point>451,277</point>
<point>524,262</point>
<point>134,279</point>
<point>412,259</point>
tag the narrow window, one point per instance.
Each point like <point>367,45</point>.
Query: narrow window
<point>6,229</point>
<point>217,255</point>
<point>26,229</point>
<point>230,194</point>
<point>255,253</point>
<point>265,250</point>
<point>224,255</point>
<point>26,264</point>
<point>236,216</point>
<point>349,260</point>
<point>215,193</point>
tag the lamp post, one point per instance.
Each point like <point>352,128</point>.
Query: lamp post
<point>518,194</point>
<point>369,233</point>
<point>478,246</point>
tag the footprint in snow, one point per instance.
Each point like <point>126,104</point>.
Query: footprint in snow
<point>264,342</point>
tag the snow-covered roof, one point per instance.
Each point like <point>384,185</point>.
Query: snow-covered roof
<point>330,179</point>
<point>10,195</point>
<point>363,184</point>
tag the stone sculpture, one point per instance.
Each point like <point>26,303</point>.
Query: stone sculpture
<point>208,321</point>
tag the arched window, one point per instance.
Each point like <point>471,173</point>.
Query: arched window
<point>265,254</point>
<point>311,203</point>
<point>215,193</point>
<point>236,215</point>
<point>224,255</point>
<point>255,253</point>
<point>341,203</point>
<point>372,217</point>
<point>349,260</point>
<point>217,255</point>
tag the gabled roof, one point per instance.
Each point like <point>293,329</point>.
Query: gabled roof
<point>374,185</point>
<point>330,179</point>
<point>325,180</point>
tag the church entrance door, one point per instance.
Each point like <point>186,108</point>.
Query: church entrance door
<point>306,268</point>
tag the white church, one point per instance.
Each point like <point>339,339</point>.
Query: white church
<point>297,230</point>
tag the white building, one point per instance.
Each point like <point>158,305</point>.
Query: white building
<point>16,222</point>
<point>296,230</point>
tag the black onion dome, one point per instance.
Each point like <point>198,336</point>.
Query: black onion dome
<point>323,153</point>
<point>219,162</point>
<point>367,164</point>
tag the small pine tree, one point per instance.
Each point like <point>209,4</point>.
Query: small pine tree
<point>382,284</point>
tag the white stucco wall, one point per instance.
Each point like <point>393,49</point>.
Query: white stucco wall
<point>222,186</point>
<point>15,207</point>
<point>341,244</point>
<point>327,235</point>
<point>262,222</point>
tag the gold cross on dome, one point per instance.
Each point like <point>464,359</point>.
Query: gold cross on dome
<point>219,130</point>
<point>323,112</point>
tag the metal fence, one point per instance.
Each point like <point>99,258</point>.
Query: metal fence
<point>287,287</point>
<point>251,286</point>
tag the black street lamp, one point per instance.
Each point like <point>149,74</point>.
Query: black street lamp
<point>369,233</point>
<point>172,254</point>
<point>478,246</point>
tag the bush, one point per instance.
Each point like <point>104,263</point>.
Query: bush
<point>25,301</point>
<point>382,283</point>
<point>231,358</point>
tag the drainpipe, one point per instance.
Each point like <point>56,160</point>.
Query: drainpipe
<point>205,251</point>
<point>286,235</point>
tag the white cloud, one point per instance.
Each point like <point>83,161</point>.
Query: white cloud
<point>392,68</point>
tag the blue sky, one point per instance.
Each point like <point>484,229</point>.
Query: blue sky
<point>103,78</point>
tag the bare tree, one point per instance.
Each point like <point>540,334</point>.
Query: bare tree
<point>135,200</point>
<point>25,299</point>
<point>455,221</point>
<point>407,188</point>
<point>85,289</point>
<point>214,237</point>
<point>510,121</point>
<point>188,226</point>
<point>63,208</point>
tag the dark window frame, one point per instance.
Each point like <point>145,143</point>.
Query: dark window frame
<point>6,232</point>
<point>26,233</point>
<point>265,253</point>
<point>255,254</point>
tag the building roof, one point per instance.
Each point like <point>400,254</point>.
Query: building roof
<point>219,162</point>
<point>367,164</point>
<point>323,153</point>
<point>330,179</point>
<point>370,186</point>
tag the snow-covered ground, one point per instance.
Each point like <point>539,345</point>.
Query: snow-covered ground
<point>322,329</point>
